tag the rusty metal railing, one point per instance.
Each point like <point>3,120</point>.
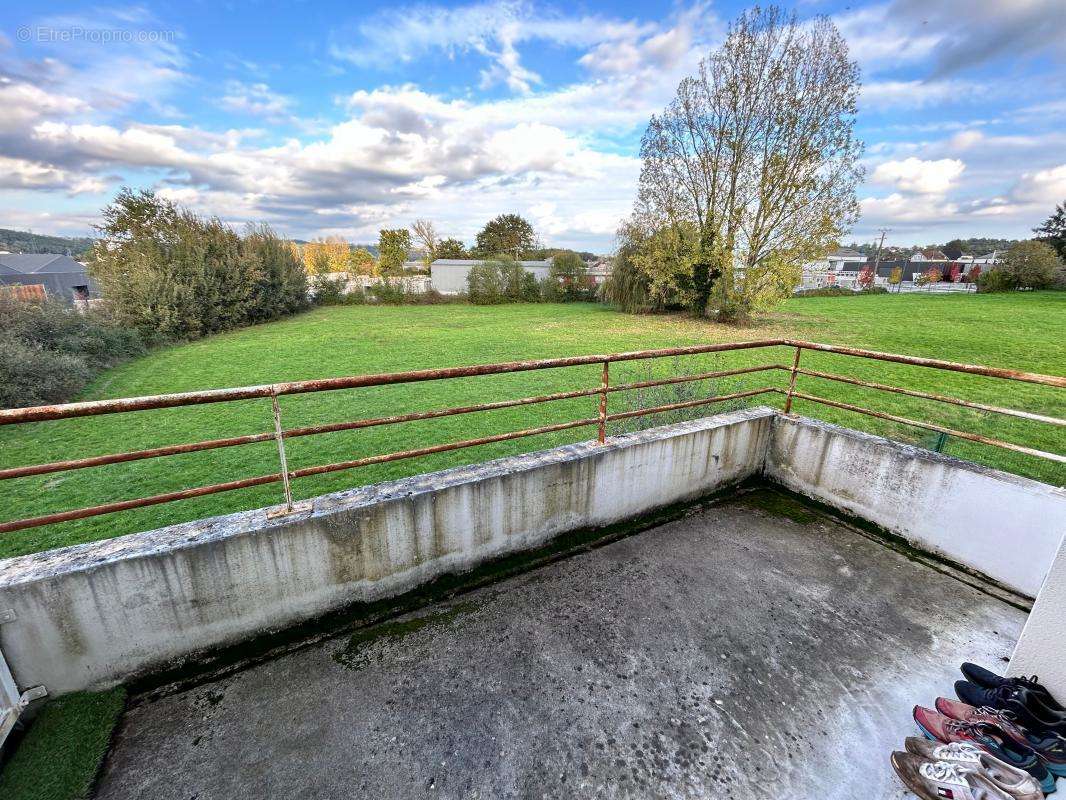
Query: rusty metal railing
<point>279,434</point>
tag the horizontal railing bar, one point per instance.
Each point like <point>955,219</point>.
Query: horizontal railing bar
<point>212,444</point>
<point>95,407</point>
<point>641,412</point>
<point>95,461</point>
<point>134,455</point>
<point>701,376</point>
<point>973,437</point>
<point>441,448</point>
<point>126,505</point>
<point>953,366</point>
<point>185,494</point>
<point>938,397</point>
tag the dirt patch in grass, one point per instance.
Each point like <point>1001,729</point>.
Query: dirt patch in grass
<point>62,750</point>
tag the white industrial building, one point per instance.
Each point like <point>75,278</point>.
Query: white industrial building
<point>448,275</point>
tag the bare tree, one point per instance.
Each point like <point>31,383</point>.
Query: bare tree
<point>426,235</point>
<point>758,151</point>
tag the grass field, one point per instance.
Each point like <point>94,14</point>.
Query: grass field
<point>1021,331</point>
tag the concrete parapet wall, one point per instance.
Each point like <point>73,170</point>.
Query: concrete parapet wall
<point>1002,525</point>
<point>96,614</point>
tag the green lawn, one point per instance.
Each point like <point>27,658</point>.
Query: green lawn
<point>1021,331</point>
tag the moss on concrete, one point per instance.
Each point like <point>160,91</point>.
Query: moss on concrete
<point>358,652</point>
<point>779,504</point>
<point>63,748</point>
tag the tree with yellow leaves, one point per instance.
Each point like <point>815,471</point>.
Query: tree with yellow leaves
<point>323,256</point>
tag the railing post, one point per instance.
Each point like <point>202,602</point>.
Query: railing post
<point>280,439</point>
<point>604,384</point>
<point>792,381</point>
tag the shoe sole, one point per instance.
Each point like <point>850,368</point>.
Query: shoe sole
<point>925,732</point>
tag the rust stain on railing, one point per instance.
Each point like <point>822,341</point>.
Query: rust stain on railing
<point>279,434</point>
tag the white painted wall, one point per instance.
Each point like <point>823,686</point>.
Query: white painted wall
<point>1002,525</point>
<point>1041,650</point>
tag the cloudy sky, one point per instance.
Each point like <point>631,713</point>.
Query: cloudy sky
<point>341,118</point>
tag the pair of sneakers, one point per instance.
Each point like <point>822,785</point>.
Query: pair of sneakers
<point>960,771</point>
<point>1031,704</point>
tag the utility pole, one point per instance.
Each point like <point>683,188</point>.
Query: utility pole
<point>877,258</point>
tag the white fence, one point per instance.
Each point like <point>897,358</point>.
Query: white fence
<point>820,278</point>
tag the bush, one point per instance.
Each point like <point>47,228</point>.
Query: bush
<point>330,292</point>
<point>49,352</point>
<point>996,280</point>
<point>840,291</point>
<point>501,281</point>
<point>628,287</point>
<point>30,375</point>
<point>170,274</point>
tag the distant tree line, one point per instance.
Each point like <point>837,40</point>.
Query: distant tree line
<point>77,247</point>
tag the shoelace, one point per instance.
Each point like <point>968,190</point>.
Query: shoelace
<point>1000,715</point>
<point>964,728</point>
<point>957,750</point>
<point>943,771</point>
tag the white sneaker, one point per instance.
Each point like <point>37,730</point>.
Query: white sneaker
<point>1016,783</point>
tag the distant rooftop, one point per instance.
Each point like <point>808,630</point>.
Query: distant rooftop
<point>38,263</point>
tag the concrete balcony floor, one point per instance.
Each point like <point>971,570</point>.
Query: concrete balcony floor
<point>752,649</point>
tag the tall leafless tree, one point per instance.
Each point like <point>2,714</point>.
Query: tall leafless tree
<point>758,150</point>
<point>426,235</point>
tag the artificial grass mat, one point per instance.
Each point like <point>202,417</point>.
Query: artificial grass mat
<point>62,750</point>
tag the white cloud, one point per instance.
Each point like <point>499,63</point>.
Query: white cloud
<point>497,28</point>
<point>919,177</point>
<point>23,105</point>
<point>1043,187</point>
<point>17,173</point>
<point>880,95</point>
<point>900,209</point>
<point>953,35</point>
<point>256,98</point>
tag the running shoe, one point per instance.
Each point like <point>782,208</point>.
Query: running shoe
<point>989,738</point>
<point>987,679</point>
<point>945,780</point>
<point>1050,748</point>
<point>1028,710</point>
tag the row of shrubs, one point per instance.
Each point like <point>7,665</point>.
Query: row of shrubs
<point>331,292</point>
<point>166,275</point>
<point>840,291</point>
<point>49,352</point>
<point>499,282</point>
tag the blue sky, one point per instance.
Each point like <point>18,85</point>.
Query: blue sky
<point>341,118</point>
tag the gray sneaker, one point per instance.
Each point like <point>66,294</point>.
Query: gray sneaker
<point>953,780</point>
